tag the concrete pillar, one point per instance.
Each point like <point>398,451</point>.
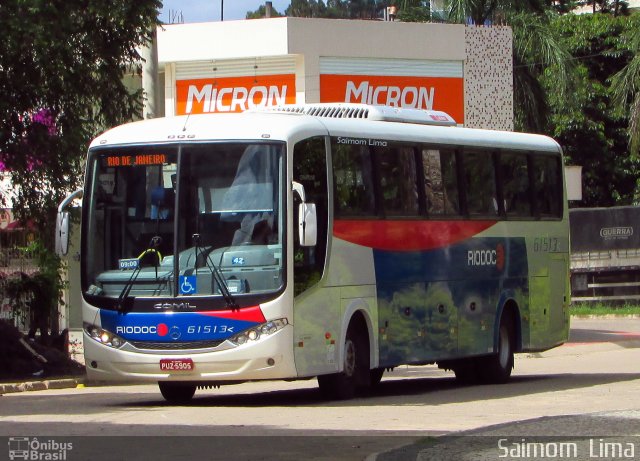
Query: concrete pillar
<point>150,85</point>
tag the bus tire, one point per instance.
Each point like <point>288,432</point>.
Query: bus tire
<point>355,374</point>
<point>375,376</point>
<point>497,367</point>
<point>466,372</point>
<point>177,392</point>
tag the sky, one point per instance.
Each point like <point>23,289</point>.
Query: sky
<point>209,10</point>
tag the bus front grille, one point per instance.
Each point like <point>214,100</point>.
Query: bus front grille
<point>175,346</point>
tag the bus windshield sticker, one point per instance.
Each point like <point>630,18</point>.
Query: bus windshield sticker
<point>188,284</point>
<point>128,264</point>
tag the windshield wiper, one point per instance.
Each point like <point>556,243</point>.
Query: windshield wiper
<point>124,300</point>
<point>215,273</point>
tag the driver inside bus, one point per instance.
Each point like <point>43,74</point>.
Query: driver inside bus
<point>252,197</point>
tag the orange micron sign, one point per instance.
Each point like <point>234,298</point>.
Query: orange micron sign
<point>430,93</point>
<point>234,94</point>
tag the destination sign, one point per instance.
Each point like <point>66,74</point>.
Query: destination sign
<point>135,160</point>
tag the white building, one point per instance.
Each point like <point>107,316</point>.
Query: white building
<point>465,71</point>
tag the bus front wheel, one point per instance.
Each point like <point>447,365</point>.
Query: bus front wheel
<point>355,372</point>
<point>375,376</point>
<point>177,392</point>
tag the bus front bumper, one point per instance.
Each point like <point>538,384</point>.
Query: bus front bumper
<point>268,358</point>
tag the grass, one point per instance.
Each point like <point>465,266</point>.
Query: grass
<point>604,309</point>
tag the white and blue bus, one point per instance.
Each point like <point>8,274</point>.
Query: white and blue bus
<point>328,241</point>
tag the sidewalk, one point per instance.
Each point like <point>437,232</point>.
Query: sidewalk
<point>59,373</point>
<point>43,385</point>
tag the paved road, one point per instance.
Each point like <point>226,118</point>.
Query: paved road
<point>589,387</point>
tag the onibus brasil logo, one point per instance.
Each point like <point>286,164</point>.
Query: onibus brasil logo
<point>30,448</point>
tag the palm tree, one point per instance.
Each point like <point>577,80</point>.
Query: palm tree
<point>534,47</point>
<point>625,86</point>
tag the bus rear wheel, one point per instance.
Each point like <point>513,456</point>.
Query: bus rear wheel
<point>342,386</point>
<point>467,371</point>
<point>177,392</point>
<point>497,367</point>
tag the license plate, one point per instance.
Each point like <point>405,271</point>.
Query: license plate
<point>176,365</point>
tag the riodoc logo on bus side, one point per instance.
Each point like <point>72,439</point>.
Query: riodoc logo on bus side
<point>487,257</point>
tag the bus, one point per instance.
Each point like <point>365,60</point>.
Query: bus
<point>334,241</point>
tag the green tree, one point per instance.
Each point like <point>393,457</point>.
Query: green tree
<point>261,12</point>
<point>586,124</point>
<point>335,9</point>
<point>481,12</point>
<point>61,78</point>
<point>625,85</point>
<point>307,9</point>
<point>563,6</point>
<point>535,47</point>
<point>615,7</point>
<point>416,11</point>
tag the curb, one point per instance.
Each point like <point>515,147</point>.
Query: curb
<point>11,388</point>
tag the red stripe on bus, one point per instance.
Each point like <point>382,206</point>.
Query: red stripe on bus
<point>407,235</point>
<point>248,314</point>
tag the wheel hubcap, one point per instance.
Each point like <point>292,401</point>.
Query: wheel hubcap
<point>349,358</point>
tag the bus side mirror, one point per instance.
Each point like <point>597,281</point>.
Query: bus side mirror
<point>307,218</point>
<point>307,224</point>
<point>62,224</point>
<point>62,233</point>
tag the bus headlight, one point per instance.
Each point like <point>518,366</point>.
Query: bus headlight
<point>255,333</point>
<point>104,336</point>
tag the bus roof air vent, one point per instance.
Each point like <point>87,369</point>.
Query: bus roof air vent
<point>365,112</point>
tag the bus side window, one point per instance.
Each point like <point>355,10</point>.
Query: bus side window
<point>398,184</point>
<point>480,185</point>
<point>310,170</point>
<point>353,180</point>
<point>515,184</point>
<point>440,182</point>
<point>547,185</point>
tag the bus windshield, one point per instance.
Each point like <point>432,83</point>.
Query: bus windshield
<point>208,212</point>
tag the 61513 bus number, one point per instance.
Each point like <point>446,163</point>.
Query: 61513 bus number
<point>546,244</point>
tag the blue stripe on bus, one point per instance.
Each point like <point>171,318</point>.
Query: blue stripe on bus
<point>171,327</point>
<point>478,258</point>
<point>442,303</point>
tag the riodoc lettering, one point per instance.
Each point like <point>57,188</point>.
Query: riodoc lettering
<point>235,99</point>
<point>482,257</point>
<point>137,330</point>
<point>388,95</point>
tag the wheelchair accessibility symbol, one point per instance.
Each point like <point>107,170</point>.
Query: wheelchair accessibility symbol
<point>188,284</point>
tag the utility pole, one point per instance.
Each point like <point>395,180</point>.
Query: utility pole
<point>221,10</point>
